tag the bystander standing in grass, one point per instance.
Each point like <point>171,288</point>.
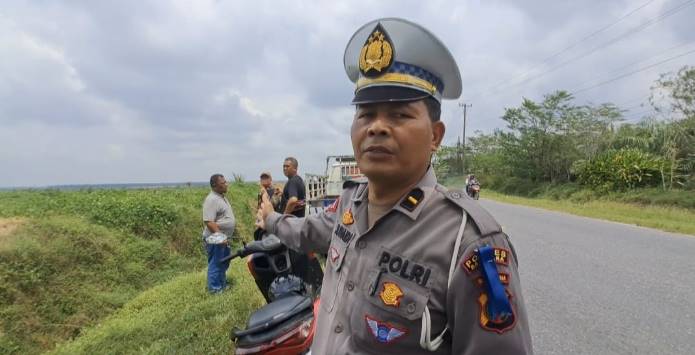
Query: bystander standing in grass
<point>219,221</point>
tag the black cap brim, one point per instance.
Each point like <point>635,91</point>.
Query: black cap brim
<point>376,94</point>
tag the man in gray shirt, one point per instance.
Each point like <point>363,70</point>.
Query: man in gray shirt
<point>219,222</point>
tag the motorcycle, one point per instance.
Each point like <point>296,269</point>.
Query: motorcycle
<point>287,323</point>
<point>473,190</point>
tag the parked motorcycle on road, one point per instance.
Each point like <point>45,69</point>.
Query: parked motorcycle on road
<point>286,325</point>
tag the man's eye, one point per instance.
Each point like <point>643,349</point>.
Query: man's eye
<point>365,115</point>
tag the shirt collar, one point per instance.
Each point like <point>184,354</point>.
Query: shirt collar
<point>426,184</point>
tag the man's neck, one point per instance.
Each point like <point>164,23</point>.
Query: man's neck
<point>388,192</point>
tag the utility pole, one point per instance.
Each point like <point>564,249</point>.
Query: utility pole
<point>463,140</point>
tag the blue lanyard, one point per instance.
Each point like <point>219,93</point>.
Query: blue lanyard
<point>498,305</point>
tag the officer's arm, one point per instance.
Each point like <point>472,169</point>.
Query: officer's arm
<point>306,234</point>
<point>312,233</point>
<point>468,301</point>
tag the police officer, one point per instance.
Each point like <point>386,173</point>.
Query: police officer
<point>412,268</point>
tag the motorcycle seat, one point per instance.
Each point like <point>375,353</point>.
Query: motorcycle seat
<point>275,313</point>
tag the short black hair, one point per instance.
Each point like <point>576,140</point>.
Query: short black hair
<point>214,178</point>
<point>293,161</point>
<point>434,108</point>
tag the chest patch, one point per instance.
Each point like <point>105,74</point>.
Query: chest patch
<point>391,294</point>
<point>347,218</point>
<point>383,332</point>
<point>343,233</point>
<point>404,268</point>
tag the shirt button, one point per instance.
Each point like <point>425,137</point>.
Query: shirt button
<point>339,328</point>
<point>410,307</point>
<point>350,286</point>
<point>361,244</point>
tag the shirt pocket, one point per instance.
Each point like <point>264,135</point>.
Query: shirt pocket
<point>389,312</point>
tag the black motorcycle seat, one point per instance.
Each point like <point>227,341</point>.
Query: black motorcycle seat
<point>276,312</point>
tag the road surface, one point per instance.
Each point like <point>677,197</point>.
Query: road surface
<point>599,287</point>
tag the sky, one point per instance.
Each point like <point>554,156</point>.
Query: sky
<point>96,92</point>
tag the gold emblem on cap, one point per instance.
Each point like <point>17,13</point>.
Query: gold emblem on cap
<point>377,52</point>
<point>391,294</point>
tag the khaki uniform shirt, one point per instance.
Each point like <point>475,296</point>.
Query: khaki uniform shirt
<point>380,283</point>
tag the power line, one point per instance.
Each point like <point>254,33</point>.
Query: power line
<point>582,40</point>
<point>660,54</point>
<point>633,72</point>
<point>614,40</point>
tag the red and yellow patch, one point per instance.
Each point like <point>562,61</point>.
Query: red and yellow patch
<point>498,326</point>
<point>472,262</point>
<point>347,218</point>
<point>391,294</point>
<point>504,279</point>
<point>334,206</point>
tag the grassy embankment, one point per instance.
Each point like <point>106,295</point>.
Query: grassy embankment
<point>672,211</point>
<point>68,260</point>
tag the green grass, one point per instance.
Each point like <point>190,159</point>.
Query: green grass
<point>670,219</point>
<point>79,256</point>
<point>178,317</point>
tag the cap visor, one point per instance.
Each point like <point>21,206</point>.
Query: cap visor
<point>375,94</point>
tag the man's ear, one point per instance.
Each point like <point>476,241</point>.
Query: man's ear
<point>438,130</point>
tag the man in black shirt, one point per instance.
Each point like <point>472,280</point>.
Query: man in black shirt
<point>294,193</point>
<point>293,202</point>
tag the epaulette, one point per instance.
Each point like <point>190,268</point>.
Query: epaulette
<point>487,225</point>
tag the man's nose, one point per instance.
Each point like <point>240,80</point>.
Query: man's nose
<point>379,126</point>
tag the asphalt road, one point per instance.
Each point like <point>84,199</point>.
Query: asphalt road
<point>598,287</point>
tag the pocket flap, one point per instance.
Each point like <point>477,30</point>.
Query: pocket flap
<point>395,295</point>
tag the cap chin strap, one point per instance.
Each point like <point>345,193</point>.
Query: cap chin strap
<point>426,341</point>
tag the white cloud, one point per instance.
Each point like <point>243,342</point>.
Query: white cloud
<point>95,92</point>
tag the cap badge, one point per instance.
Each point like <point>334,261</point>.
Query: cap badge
<point>347,218</point>
<point>391,294</point>
<point>377,53</point>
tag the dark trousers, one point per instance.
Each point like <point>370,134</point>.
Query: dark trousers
<point>217,271</point>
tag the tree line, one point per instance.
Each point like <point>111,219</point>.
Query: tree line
<point>558,141</point>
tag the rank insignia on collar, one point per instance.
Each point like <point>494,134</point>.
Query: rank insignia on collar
<point>499,325</point>
<point>411,201</point>
<point>383,332</point>
<point>347,218</point>
<point>391,294</point>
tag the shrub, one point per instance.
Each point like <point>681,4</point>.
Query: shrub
<point>621,169</point>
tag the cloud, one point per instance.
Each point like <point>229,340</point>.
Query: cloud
<point>94,92</point>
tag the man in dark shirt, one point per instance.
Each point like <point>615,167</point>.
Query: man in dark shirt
<point>294,193</point>
<point>293,202</point>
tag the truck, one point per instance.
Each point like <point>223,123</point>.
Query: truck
<point>323,190</point>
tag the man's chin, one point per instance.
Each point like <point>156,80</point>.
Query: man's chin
<point>380,172</point>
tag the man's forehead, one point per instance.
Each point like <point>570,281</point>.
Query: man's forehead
<point>390,105</point>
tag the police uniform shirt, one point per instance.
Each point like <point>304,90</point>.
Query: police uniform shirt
<point>216,208</point>
<point>387,288</point>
